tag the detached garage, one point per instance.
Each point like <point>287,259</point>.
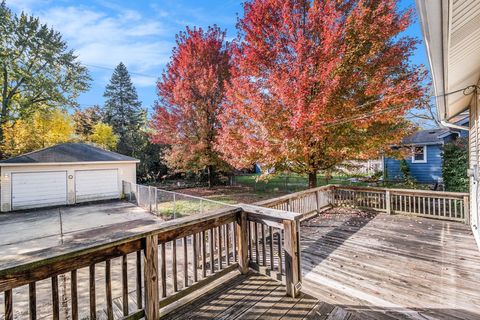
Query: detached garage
<point>64,174</point>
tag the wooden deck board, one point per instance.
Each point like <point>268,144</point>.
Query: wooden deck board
<point>365,266</point>
<point>401,267</point>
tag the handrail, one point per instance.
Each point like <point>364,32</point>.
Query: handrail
<point>217,242</point>
<point>394,190</point>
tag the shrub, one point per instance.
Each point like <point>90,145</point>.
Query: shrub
<point>455,164</point>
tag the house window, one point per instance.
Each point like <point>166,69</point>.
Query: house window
<point>419,154</point>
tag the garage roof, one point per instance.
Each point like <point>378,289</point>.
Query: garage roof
<point>69,152</point>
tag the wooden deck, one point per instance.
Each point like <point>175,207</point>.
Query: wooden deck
<point>255,296</point>
<point>390,266</point>
<point>360,265</point>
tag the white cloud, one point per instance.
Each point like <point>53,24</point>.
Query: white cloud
<point>105,39</point>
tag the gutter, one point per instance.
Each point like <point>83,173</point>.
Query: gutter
<point>447,124</point>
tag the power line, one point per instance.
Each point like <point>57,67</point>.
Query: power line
<point>113,69</point>
<point>360,117</point>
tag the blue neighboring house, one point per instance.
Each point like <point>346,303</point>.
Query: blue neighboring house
<point>426,161</point>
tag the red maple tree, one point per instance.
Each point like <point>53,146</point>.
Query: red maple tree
<point>315,83</point>
<point>191,92</point>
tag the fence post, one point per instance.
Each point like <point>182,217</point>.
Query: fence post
<point>242,244</point>
<point>150,199</point>
<point>466,209</point>
<point>388,202</point>
<point>174,207</point>
<point>150,260</point>
<point>292,258</point>
<point>156,201</point>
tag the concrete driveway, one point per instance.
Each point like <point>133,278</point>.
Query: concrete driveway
<point>33,230</point>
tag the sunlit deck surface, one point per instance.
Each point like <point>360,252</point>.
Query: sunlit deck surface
<point>255,296</point>
<point>360,265</point>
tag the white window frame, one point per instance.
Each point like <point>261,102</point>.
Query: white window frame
<point>424,160</point>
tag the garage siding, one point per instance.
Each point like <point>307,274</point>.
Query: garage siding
<point>125,171</point>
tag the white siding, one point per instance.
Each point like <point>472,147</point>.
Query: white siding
<point>39,189</point>
<point>93,185</point>
<point>126,171</point>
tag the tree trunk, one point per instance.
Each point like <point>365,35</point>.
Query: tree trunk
<point>312,179</point>
<point>211,176</point>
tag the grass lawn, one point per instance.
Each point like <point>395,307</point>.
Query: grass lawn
<point>290,183</point>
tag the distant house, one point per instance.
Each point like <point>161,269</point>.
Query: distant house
<point>66,173</point>
<point>425,161</point>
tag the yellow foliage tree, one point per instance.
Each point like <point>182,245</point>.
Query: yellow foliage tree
<point>42,129</point>
<point>103,136</point>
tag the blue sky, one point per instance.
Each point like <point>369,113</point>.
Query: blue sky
<point>139,33</point>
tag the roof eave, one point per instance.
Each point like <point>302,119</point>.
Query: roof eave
<point>23,164</point>
<point>430,14</point>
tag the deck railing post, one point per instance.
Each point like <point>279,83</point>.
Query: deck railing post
<point>151,278</point>
<point>242,243</point>
<point>388,202</point>
<point>466,209</point>
<point>292,258</point>
<point>317,197</point>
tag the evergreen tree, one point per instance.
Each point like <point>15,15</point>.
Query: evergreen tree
<point>123,111</point>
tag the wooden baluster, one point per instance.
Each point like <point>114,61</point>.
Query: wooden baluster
<point>250,255</point>
<point>235,256</point>
<point>423,200</point>
<point>32,301</point>
<point>227,239</point>
<point>9,305</point>
<point>204,254</point>
<point>455,208</point>
<point>124,285</point>
<point>280,252</point>
<point>93,300</point>
<point>195,257</point>
<point>270,231</point>
<point>174,265</point>
<point>150,267</point>
<point>73,294</point>
<point>444,207</point>
<point>292,258</point>
<point>163,271</point>
<point>219,231</point>
<point>212,251</point>
<point>242,227</point>
<point>264,253</point>
<point>185,262</point>
<point>388,202</point>
<point>256,242</point>
<point>108,289</point>
<point>55,300</point>
<point>139,280</point>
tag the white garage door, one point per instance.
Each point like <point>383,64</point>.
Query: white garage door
<point>39,189</point>
<point>93,185</point>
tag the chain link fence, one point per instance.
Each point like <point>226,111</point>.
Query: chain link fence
<point>287,183</point>
<point>168,204</point>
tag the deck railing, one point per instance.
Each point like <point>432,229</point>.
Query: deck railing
<point>163,262</point>
<point>452,206</point>
<point>167,261</point>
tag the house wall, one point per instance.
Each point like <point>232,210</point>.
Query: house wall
<point>126,171</point>
<point>429,172</point>
<point>474,160</point>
